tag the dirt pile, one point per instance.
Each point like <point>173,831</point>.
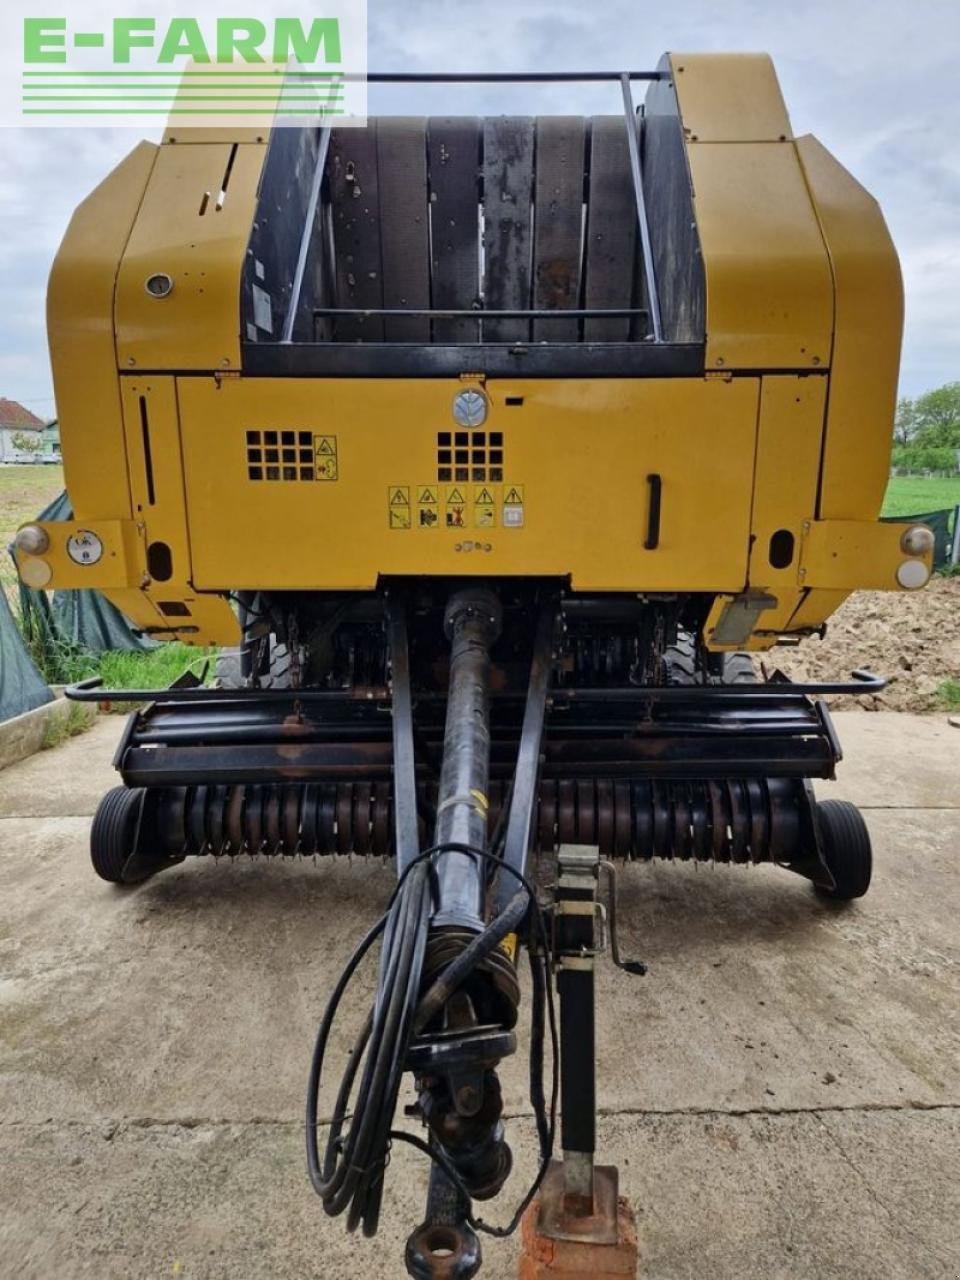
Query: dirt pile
<point>911,637</point>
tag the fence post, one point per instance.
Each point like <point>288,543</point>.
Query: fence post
<point>955,549</point>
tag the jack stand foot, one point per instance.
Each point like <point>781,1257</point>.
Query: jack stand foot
<point>566,1237</point>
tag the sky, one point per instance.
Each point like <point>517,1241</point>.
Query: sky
<point>875,80</point>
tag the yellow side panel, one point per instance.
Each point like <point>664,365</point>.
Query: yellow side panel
<point>156,480</point>
<point>785,484</point>
<point>816,608</point>
<point>195,232</point>
<point>191,135</point>
<point>119,556</point>
<point>80,332</point>
<point>729,97</point>
<point>156,483</point>
<point>853,555</point>
<point>866,350</point>
<point>573,499</point>
<point>769,288</point>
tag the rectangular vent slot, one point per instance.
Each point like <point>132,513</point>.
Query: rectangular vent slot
<point>147,454</point>
<point>470,456</point>
<point>280,455</point>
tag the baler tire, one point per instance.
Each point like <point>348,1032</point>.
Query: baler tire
<point>738,668</point>
<point>113,833</point>
<point>680,662</point>
<point>228,668</point>
<point>680,665</point>
<point>846,849</point>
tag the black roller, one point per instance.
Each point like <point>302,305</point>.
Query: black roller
<point>737,820</point>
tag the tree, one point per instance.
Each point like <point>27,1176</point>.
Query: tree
<point>938,417</point>
<point>905,422</point>
<point>27,443</point>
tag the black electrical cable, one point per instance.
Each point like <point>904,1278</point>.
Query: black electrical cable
<point>352,1171</point>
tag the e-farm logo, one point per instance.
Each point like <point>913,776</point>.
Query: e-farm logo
<point>299,65</point>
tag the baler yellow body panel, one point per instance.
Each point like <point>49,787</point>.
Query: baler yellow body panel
<point>784,434</point>
<point>193,226</point>
<point>866,337</point>
<point>80,330</point>
<point>577,454</point>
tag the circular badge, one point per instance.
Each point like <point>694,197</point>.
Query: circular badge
<point>84,547</point>
<point>470,408</point>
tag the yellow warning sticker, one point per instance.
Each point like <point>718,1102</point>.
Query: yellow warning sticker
<point>484,506</point>
<point>455,513</point>
<point>325,457</point>
<point>513,506</point>
<point>398,506</point>
<point>428,506</point>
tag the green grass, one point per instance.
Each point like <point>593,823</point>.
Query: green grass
<point>914,495</point>
<point>61,663</point>
<point>24,492</point>
<point>949,695</point>
<point>61,727</point>
<point>154,670</point>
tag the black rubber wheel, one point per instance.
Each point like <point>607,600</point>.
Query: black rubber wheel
<point>846,849</point>
<point>228,668</point>
<point>113,832</point>
<point>680,665</point>
<point>737,669</point>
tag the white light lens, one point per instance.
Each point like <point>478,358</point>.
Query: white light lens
<point>917,541</point>
<point>35,573</point>
<point>913,574</point>
<point>32,540</point>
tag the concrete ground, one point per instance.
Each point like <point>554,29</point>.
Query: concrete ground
<point>781,1093</point>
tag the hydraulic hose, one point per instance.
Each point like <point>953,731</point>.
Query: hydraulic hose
<point>350,1176</point>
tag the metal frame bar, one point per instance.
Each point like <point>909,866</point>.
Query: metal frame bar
<point>524,795</point>
<point>306,235</point>
<point>861,682</point>
<point>508,77</point>
<point>633,143</point>
<point>474,313</point>
<point>624,78</point>
<point>530,359</point>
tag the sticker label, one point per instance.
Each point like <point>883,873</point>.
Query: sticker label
<point>484,506</point>
<point>84,547</point>
<point>325,457</point>
<point>513,506</point>
<point>455,511</point>
<point>428,506</point>
<point>262,309</point>
<point>398,506</point>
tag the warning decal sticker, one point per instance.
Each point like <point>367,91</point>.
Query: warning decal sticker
<point>428,503</point>
<point>484,506</point>
<point>398,506</point>
<point>456,507</point>
<point>513,506</point>
<point>325,457</point>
